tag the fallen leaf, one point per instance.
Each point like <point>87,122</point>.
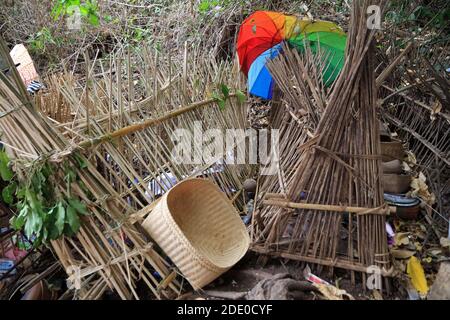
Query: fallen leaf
<point>417,275</point>
<point>437,107</point>
<point>399,266</point>
<point>435,252</point>
<point>402,254</point>
<point>445,242</point>
<point>330,292</point>
<point>420,189</point>
<point>418,246</point>
<point>406,167</point>
<point>401,239</point>
<point>411,158</point>
<point>422,227</point>
<point>428,259</point>
<point>377,295</point>
<point>421,235</point>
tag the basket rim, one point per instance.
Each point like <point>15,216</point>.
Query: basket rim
<point>169,220</point>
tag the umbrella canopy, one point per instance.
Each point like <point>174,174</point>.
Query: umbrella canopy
<point>258,33</point>
<point>330,45</point>
<point>259,40</point>
<point>260,82</point>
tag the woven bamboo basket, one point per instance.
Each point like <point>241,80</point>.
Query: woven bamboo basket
<point>392,150</point>
<point>394,166</point>
<point>396,183</point>
<point>196,225</point>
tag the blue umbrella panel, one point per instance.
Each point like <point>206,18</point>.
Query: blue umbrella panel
<point>260,82</point>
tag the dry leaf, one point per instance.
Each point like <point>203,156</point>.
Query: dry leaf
<point>332,293</point>
<point>445,242</point>
<point>402,254</point>
<point>420,189</point>
<point>411,158</point>
<point>401,239</point>
<point>435,252</point>
<point>399,266</point>
<point>417,275</point>
<point>377,295</point>
<point>437,107</point>
<point>428,259</point>
<point>422,227</point>
<point>406,167</point>
<point>418,246</point>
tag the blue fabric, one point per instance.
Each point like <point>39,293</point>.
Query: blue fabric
<point>260,82</point>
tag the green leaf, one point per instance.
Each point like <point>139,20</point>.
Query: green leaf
<point>215,96</point>
<point>35,204</point>
<point>70,175</point>
<point>72,219</point>
<point>33,224</point>
<point>225,91</point>
<point>43,236</point>
<point>79,206</point>
<point>240,96</point>
<point>84,11</point>
<point>47,170</point>
<point>56,11</point>
<point>21,193</point>
<point>37,242</point>
<point>68,231</point>
<point>221,104</point>
<point>204,6</point>
<point>8,193</point>
<point>53,232</point>
<point>93,19</point>
<point>17,222</point>
<point>5,172</point>
<point>60,218</point>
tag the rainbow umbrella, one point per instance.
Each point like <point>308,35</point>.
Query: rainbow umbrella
<point>260,37</point>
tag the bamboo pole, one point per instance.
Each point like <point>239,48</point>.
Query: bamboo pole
<point>339,262</point>
<point>138,126</point>
<point>386,72</point>
<point>333,208</point>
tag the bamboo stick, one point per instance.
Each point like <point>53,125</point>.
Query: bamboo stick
<point>343,209</point>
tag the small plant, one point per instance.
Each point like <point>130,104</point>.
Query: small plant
<point>87,9</point>
<point>207,6</point>
<point>39,41</point>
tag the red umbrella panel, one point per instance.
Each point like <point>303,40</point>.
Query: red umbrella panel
<point>259,32</point>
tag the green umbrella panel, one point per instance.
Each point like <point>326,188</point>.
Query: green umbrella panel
<point>331,46</point>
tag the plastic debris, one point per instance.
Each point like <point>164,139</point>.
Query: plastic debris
<point>391,234</point>
<point>417,275</point>
<point>312,277</point>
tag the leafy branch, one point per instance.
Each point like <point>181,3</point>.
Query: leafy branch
<point>42,211</point>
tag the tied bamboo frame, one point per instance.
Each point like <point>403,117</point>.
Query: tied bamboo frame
<point>111,251</point>
<point>337,164</point>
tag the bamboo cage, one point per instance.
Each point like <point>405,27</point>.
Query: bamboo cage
<point>130,106</point>
<point>338,166</point>
<point>297,77</point>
